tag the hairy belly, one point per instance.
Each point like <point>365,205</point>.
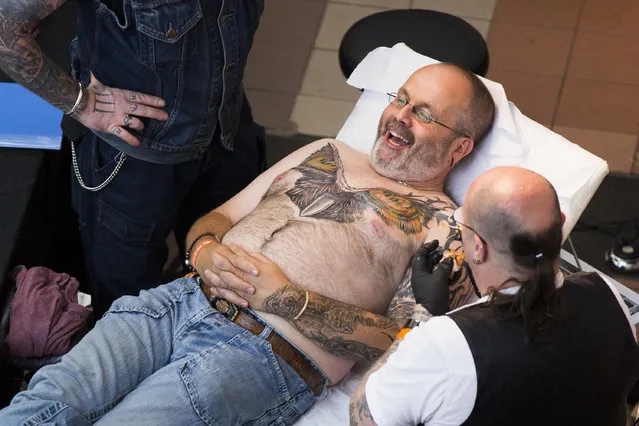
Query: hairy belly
<point>332,260</point>
<point>337,260</point>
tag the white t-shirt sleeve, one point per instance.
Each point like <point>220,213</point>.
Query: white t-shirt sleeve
<point>429,379</point>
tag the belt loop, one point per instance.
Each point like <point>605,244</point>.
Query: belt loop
<point>266,333</point>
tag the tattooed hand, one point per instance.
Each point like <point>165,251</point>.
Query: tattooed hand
<point>101,108</point>
<point>111,110</point>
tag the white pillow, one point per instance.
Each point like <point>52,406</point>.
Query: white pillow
<point>514,140</point>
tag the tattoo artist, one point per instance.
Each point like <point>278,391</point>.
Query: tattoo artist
<point>168,132</point>
<point>535,349</point>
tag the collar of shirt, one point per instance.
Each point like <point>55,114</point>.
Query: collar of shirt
<point>559,282</point>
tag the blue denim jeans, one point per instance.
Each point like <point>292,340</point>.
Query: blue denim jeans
<point>165,357</point>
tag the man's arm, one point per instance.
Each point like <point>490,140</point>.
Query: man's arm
<point>344,330</point>
<point>427,377</point>
<point>360,413</point>
<point>219,221</point>
<point>98,107</point>
<point>22,59</point>
<point>341,329</point>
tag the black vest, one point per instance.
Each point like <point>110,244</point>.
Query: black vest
<point>581,377</point>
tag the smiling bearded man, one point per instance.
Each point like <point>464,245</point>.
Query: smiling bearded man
<point>334,231</point>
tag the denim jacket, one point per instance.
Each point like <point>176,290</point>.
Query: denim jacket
<point>191,53</point>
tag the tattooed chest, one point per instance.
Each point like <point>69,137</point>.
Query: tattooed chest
<point>320,191</point>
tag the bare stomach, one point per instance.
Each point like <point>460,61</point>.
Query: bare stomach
<point>326,259</point>
<point>334,367</point>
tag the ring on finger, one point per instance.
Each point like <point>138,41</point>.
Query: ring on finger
<point>127,119</point>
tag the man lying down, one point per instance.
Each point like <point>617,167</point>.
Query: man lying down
<point>341,225</point>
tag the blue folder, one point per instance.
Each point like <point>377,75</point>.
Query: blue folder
<point>26,120</point>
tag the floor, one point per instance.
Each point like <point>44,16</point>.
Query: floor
<point>571,65</point>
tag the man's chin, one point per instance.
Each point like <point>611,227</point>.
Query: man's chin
<point>383,165</point>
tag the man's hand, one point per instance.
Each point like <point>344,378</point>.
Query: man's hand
<point>243,278</point>
<point>110,110</point>
<point>431,279</point>
<point>343,330</point>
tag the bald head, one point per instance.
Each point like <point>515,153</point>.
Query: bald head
<point>472,106</point>
<point>517,210</point>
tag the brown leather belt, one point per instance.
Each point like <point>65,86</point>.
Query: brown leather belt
<point>289,353</point>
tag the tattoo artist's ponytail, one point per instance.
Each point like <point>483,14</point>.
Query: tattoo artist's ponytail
<point>537,301</point>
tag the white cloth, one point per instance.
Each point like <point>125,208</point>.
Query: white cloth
<point>431,377</point>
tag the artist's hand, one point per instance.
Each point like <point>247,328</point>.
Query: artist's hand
<point>217,259</point>
<point>430,278</point>
<point>245,287</point>
<point>112,110</point>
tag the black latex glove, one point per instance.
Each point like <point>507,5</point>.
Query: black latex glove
<point>430,278</point>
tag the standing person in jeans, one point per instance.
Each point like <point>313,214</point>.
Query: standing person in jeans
<point>168,133</point>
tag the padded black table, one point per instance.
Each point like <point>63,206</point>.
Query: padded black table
<point>438,35</point>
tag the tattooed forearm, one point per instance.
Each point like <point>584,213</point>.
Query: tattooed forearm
<point>343,330</point>
<point>360,413</point>
<point>401,306</point>
<point>420,313</point>
<point>351,349</point>
<point>21,57</point>
<point>287,302</point>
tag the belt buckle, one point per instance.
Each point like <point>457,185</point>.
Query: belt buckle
<point>226,308</point>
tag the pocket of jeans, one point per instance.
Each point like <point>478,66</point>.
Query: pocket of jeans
<point>127,228</point>
<point>237,382</point>
<point>166,20</point>
<point>104,156</point>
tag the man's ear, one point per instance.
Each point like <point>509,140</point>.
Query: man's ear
<point>480,250</point>
<point>563,218</point>
<point>462,147</point>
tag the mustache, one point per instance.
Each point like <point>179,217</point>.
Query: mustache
<point>397,127</point>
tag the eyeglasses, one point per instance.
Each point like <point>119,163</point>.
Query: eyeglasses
<point>459,225</point>
<point>421,114</point>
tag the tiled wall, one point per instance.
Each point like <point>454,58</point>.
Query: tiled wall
<point>572,65</point>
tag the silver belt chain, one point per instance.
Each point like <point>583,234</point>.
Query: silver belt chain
<point>120,160</point>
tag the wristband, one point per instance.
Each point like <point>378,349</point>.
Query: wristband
<point>187,258</point>
<point>197,250</point>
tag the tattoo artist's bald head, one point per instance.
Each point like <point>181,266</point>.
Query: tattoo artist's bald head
<point>508,205</point>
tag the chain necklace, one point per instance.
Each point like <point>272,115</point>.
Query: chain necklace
<point>401,182</point>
